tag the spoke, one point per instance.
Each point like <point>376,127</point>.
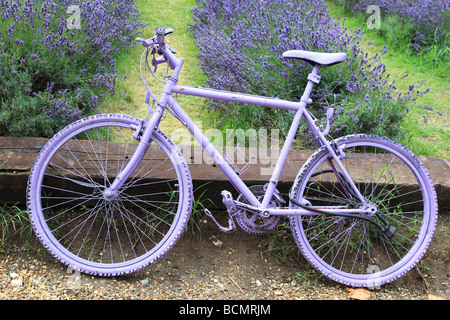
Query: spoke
<point>88,153</point>
<point>131,182</point>
<point>132,246</point>
<point>402,195</point>
<point>88,196</point>
<point>78,174</point>
<point>346,237</point>
<point>334,241</point>
<point>138,200</point>
<point>67,210</point>
<point>90,227</point>
<point>131,214</point>
<point>154,182</point>
<point>90,213</point>
<point>326,220</point>
<point>148,194</point>
<point>76,159</point>
<point>344,199</point>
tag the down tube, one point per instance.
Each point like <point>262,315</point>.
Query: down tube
<point>213,153</point>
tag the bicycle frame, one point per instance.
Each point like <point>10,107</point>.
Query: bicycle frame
<point>111,194</point>
<point>299,108</point>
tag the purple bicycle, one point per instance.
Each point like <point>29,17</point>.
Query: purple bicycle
<point>111,194</point>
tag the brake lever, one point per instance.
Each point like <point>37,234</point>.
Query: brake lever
<point>156,61</point>
<point>146,43</point>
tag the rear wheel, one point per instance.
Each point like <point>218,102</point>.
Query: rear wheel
<point>95,232</point>
<point>351,250</point>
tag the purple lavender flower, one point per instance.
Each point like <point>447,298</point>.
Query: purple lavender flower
<point>241,44</point>
<point>428,18</point>
<point>54,60</point>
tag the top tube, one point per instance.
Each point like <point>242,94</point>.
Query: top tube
<point>237,97</point>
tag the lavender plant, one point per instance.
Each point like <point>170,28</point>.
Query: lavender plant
<point>240,45</point>
<point>52,72</point>
<point>420,23</point>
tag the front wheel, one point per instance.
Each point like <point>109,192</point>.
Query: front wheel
<point>85,227</point>
<point>351,250</point>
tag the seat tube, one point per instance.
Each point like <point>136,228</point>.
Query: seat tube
<point>305,100</point>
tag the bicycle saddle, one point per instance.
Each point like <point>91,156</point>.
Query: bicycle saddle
<point>320,58</point>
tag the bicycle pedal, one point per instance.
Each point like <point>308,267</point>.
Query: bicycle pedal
<point>227,199</point>
<point>231,224</point>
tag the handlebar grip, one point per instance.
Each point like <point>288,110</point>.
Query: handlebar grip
<point>145,43</point>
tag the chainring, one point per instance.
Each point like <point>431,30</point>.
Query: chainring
<point>251,222</point>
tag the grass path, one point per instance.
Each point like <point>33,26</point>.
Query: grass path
<point>130,96</point>
<point>433,138</point>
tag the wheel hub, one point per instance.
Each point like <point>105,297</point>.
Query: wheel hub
<point>371,210</point>
<point>109,195</point>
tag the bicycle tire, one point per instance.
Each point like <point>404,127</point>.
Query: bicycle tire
<point>354,251</point>
<point>96,235</point>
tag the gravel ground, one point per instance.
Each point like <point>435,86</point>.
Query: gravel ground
<point>212,266</point>
<point>23,279</point>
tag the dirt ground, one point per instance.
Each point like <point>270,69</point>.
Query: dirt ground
<point>211,265</point>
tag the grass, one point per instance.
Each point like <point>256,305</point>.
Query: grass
<point>198,218</point>
<point>431,139</point>
<point>13,221</point>
<point>130,94</point>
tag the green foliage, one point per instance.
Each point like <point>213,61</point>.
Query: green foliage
<point>24,112</point>
<point>418,28</point>
<point>13,221</point>
<point>243,52</point>
<point>52,74</point>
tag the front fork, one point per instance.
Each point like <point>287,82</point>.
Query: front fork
<point>138,155</point>
<point>145,138</point>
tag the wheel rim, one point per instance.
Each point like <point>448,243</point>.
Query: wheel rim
<point>355,251</point>
<point>108,233</point>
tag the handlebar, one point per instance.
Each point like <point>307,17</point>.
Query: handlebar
<point>159,46</point>
<point>158,39</point>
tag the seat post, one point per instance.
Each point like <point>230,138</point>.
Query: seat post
<point>313,78</point>
<point>314,75</point>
